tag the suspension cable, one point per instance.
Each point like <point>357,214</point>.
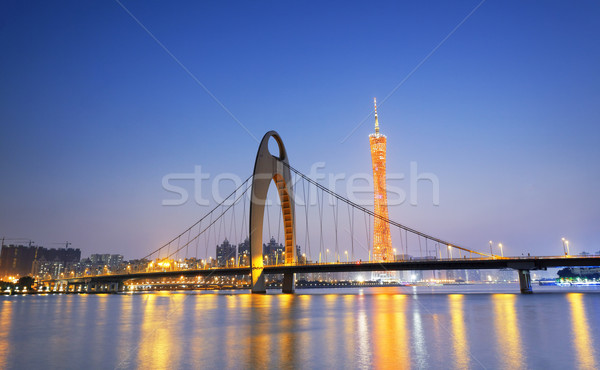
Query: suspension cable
<point>208,227</point>
<point>372,213</point>
<point>307,236</point>
<point>197,222</point>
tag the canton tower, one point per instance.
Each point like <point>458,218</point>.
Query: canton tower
<point>382,239</point>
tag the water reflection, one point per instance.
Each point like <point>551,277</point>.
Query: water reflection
<point>286,347</point>
<point>5,327</point>
<point>582,341</point>
<point>312,330</point>
<point>125,331</point>
<point>159,346</point>
<point>200,339</point>
<point>459,340</point>
<point>261,307</point>
<point>507,331</point>
<point>362,331</point>
<point>332,330</point>
<point>391,343</point>
<point>419,339</point>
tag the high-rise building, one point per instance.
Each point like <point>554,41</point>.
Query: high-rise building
<point>112,261</point>
<point>20,260</point>
<point>382,239</point>
<point>226,254</point>
<point>244,253</point>
<point>273,252</point>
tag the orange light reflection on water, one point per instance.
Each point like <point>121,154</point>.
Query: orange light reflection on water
<point>6,323</point>
<point>584,346</point>
<point>159,344</point>
<point>391,344</point>
<point>460,343</point>
<point>287,345</point>
<point>261,308</point>
<point>507,331</point>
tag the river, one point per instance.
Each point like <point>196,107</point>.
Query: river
<point>480,326</point>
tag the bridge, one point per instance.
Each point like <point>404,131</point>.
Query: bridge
<point>165,262</point>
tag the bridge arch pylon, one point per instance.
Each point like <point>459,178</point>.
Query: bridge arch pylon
<point>267,168</point>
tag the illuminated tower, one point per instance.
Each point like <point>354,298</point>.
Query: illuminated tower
<point>382,240</point>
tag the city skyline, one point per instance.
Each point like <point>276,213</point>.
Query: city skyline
<point>95,113</point>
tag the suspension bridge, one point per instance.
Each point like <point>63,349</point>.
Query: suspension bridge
<point>329,246</point>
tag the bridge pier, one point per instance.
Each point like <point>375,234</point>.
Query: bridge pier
<point>525,282</point>
<point>289,283</point>
<point>259,286</point>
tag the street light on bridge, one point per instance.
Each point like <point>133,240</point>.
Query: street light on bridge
<point>394,254</point>
<point>327,256</point>
<point>501,251</point>
<point>346,252</point>
<point>491,251</point>
<point>564,248</point>
<point>450,251</point>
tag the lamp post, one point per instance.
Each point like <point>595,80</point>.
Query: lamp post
<point>501,251</point>
<point>327,256</point>
<point>491,251</point>
<point>394,254</point>
<point>568,250</point>
<point>346,252</point>
<point>564,248</point>
<point>450,251</point>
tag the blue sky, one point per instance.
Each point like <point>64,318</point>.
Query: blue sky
<point>93,112</point>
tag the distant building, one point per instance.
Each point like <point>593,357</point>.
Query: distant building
<point>507,275</point>
<point>112,261</point>
<point>225,252</point>
<point>20,260</point>
<point>473,275</point>
<point>17,260</point>
<point>273,252</point>
<point>456,275</point>
<point>244,253</point>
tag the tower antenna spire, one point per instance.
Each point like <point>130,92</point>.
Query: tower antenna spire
<point>376,120</point>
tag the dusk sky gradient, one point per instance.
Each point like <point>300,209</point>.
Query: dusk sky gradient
<point>506,113</point>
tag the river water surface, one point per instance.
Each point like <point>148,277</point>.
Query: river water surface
<point>490,327</point>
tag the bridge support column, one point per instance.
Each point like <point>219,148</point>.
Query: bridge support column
<point>525,282</point>
<point>289,283</point>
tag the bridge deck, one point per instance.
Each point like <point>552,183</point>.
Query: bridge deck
<point>517,263</point>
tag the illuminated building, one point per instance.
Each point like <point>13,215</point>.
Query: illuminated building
<point>226,254</point>
<point>382,239</point>
<point>244,253</point>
